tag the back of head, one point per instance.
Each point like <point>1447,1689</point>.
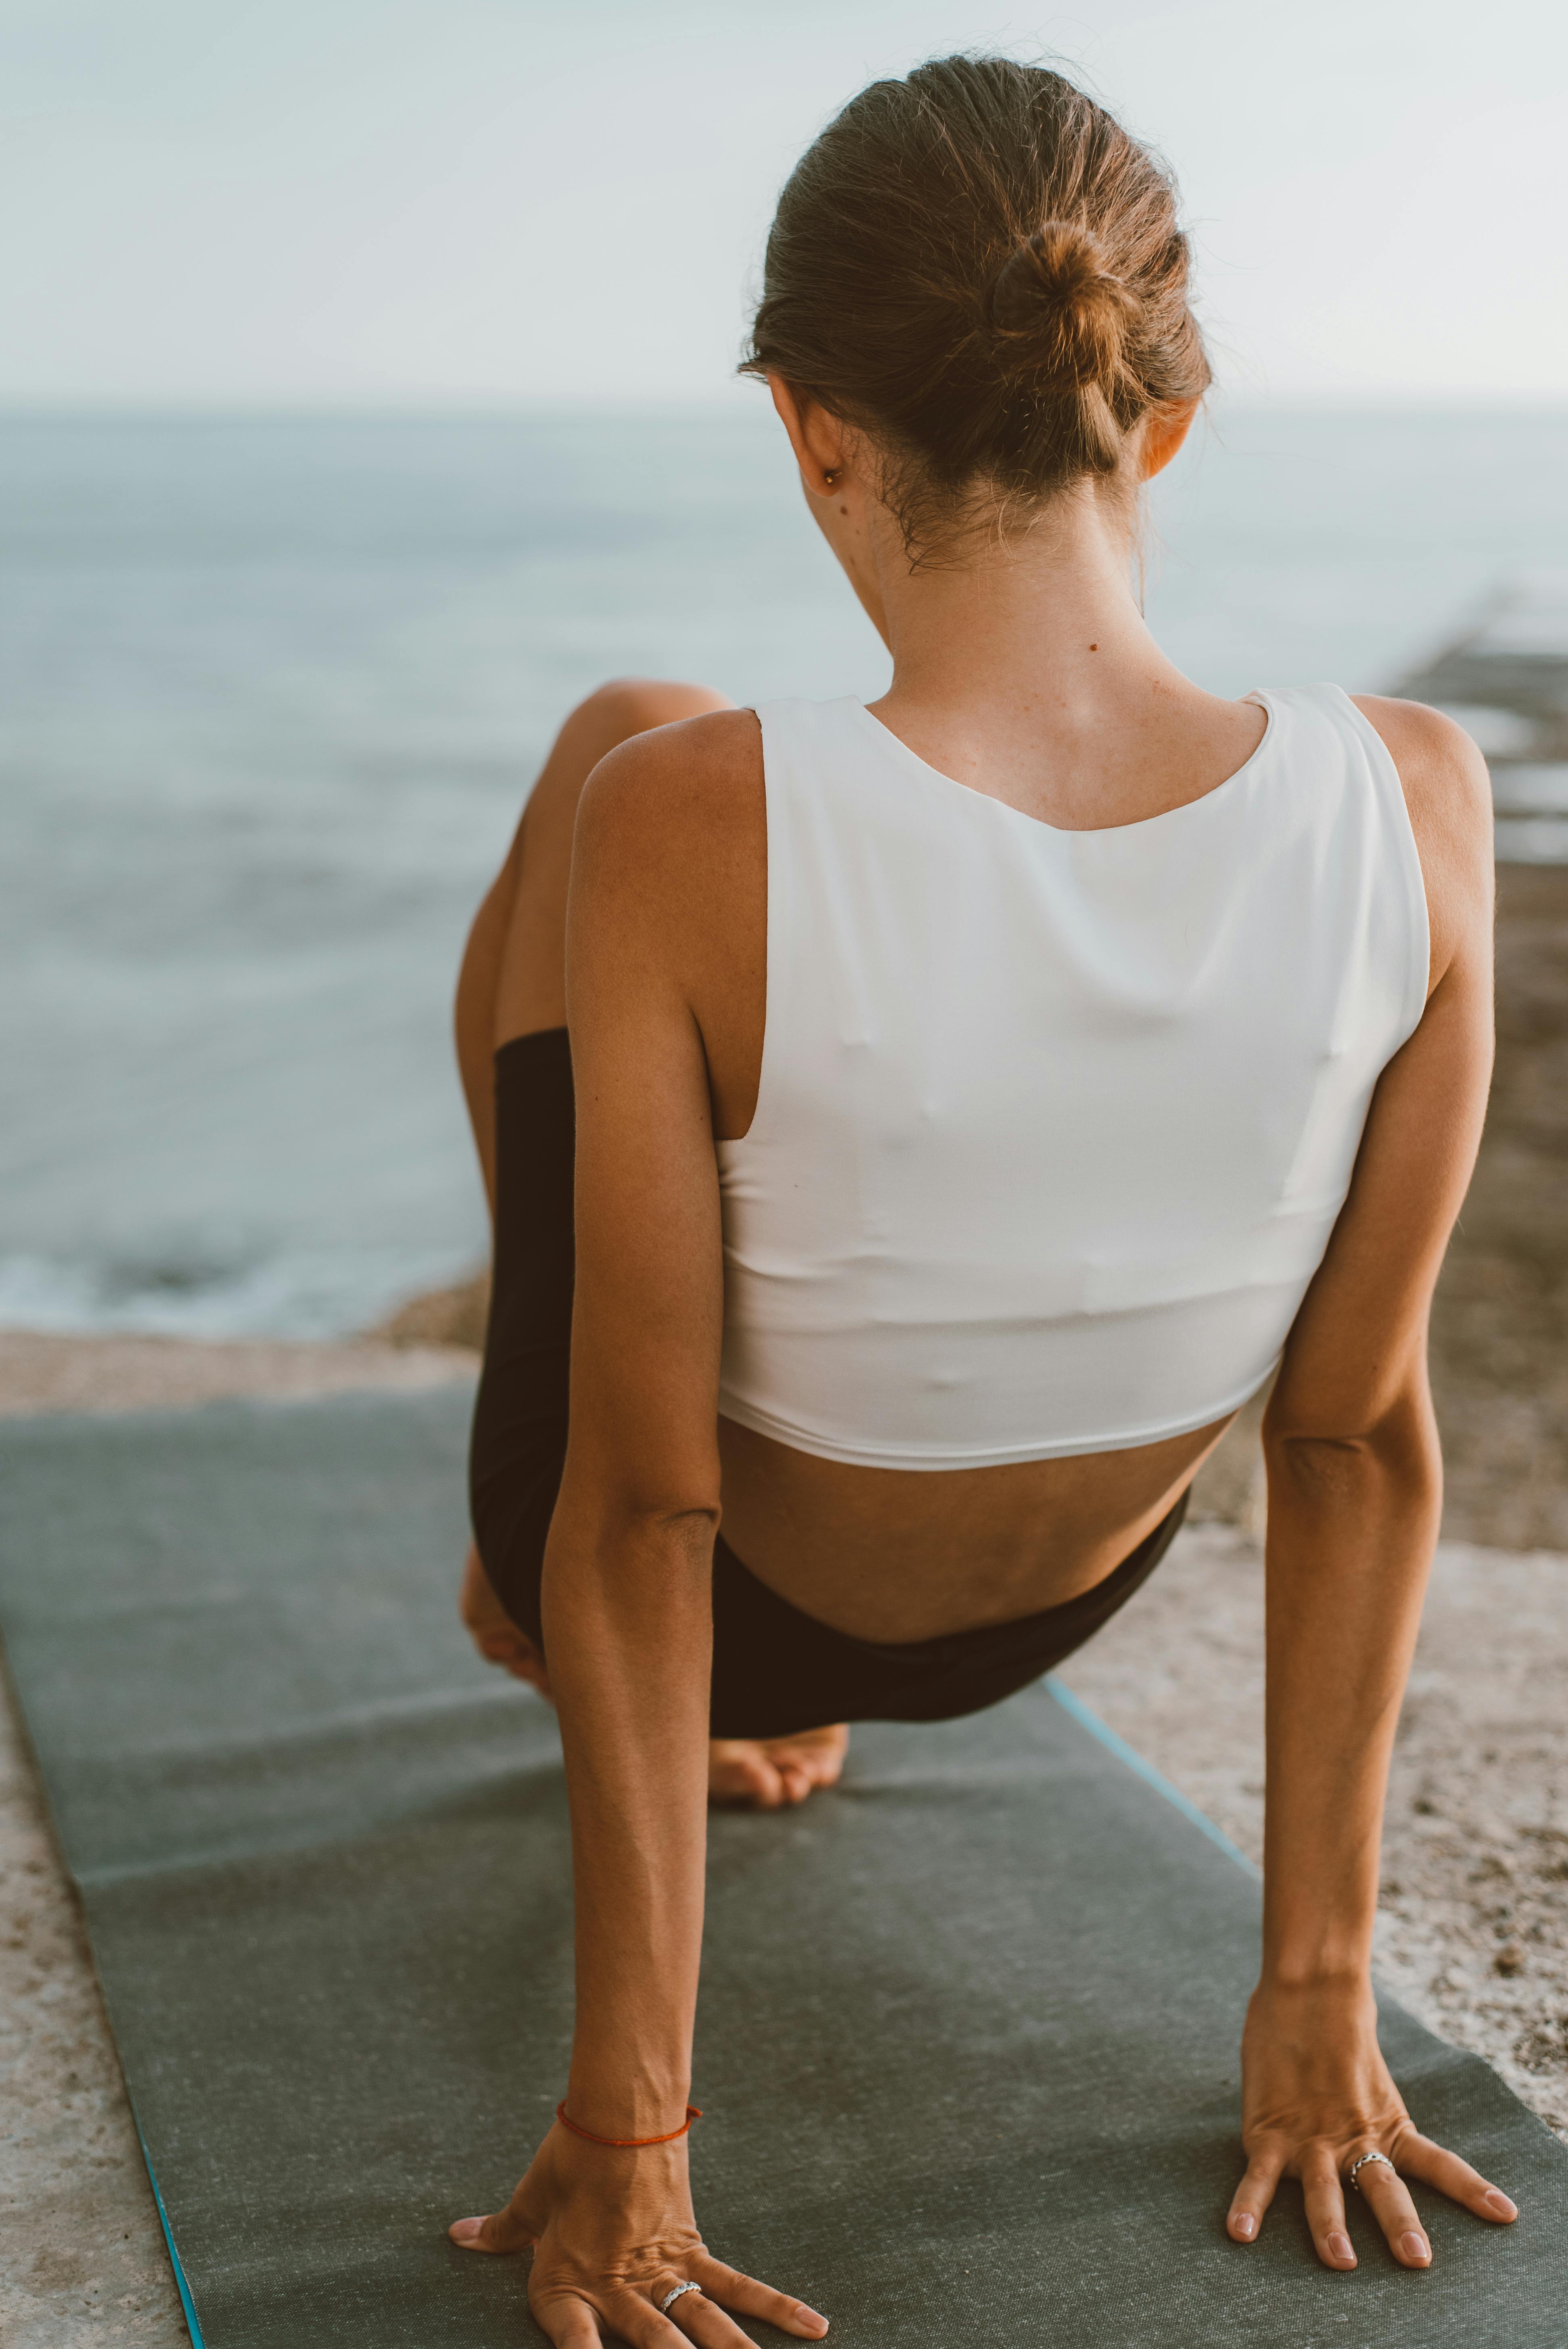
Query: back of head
<point>980,270</point>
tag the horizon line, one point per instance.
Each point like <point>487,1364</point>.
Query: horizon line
<point>566,406</point>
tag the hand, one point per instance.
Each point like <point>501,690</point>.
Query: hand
<point>1316,2095</point>
<point>614,2232</point>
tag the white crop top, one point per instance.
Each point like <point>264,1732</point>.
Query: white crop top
<point>1054,1126</point>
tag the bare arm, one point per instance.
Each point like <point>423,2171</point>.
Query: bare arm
<point>627,1573</point>
<point>1354,1485</point>
<point>627,1598</point>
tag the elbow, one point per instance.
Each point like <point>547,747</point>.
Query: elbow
<point>661,1522</point>
<point>1332,1462</point>
<point>617,1570</point>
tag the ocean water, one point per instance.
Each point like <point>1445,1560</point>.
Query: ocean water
<point>271,696</point>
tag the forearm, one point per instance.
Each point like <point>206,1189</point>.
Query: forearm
<point>1352,1526</point>
<point>628,1629</point>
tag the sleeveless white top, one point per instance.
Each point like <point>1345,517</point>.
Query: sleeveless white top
<point>1054,1126</point>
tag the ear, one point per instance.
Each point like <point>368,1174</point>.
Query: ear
<point>819,440</point>
<point>1164,431</point>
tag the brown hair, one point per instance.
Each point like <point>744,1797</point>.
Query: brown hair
<point>980,270</point>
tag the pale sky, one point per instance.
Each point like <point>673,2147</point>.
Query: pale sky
<point>406,204</point>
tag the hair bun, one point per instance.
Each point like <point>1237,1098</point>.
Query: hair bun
<point>1055,305</point>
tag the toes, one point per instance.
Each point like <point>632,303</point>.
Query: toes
<point>771,1774</point>
<point>513,1652</point>
<point>821,1757</point>
<point>813,1759</point>
<point>513,1655</point>
<point>492,1630</point>
<point>741,1773</point>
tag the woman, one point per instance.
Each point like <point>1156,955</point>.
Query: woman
<point>976,1097</point>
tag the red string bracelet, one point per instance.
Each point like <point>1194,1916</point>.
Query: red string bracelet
<point>691,2113</point>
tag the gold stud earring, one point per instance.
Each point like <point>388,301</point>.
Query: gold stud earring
<point>830,475</point>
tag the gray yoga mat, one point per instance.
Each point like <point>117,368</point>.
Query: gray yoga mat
<point>967,2040</point>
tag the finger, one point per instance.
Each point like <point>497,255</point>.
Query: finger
<point>569,2322</point>
<point>628,2316</point>
<point>1253,2197</point>
<point>1324,2199</point>
<point>703,2321</point>
<point>1387,2197</point>
<point>733,2290</point>
<point>503,2232</point>
<point>1434,2164</point>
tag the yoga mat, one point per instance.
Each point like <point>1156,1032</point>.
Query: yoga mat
<point>967,2037</point>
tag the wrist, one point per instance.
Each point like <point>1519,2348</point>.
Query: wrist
<point>624,2101</point>
<point>1346,1986</point>
<point>1316,1948</point>
<point>626,2144</point>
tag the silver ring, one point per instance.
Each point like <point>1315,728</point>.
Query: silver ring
<point>1350,2179</point>
<point>670,2298</point>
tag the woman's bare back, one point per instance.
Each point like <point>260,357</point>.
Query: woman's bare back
<point>901,1555</point>
<point>888,1553</point>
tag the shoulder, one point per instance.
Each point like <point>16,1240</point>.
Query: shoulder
<point>674,789</point>
<point>1446,787</point>
<point>669,858</point>
<point>1448,793</point>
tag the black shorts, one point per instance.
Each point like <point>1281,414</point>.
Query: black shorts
<point>775,1669</point>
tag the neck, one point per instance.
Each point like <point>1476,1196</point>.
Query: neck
<point>1025,670</point>
<point>1047,620</point>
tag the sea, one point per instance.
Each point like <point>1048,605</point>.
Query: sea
<point>271,694</point>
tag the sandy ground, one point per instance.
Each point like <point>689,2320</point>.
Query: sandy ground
<point>1472,1933</point>
<point>40,1373</point>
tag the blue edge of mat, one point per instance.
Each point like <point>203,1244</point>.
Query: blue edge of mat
<point>186,2302</point>
<point>1068,1703</point>
<point>1148,1773</point>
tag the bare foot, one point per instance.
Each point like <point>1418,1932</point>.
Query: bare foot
<point>492,1630</point>
<point>768,1773</point>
